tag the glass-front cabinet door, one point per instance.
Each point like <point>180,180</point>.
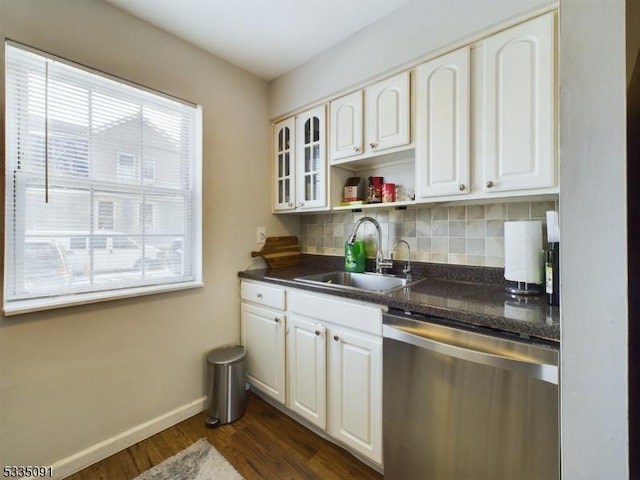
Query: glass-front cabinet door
<point>311,159</point>
<point>284,172</point>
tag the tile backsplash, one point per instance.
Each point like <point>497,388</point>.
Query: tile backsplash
<point>461,235</point>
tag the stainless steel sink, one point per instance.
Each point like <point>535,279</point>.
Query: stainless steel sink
<point>370,282</point>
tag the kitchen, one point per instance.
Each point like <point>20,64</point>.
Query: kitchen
<point>117,359</point>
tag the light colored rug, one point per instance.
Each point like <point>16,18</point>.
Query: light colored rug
<point>200,461</point>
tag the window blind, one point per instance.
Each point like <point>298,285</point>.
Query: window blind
<point>102,185</point>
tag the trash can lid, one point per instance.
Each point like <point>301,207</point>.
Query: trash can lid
<point>226,355</point>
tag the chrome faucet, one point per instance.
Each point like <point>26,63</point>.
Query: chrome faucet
<point>407,269</point>
<point>380,261</point>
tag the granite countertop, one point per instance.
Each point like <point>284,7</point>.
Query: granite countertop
<point>471,295</point>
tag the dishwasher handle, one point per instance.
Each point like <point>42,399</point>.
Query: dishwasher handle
<point>545,372</point>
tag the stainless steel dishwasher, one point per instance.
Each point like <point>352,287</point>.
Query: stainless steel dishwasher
<point>464,404</point>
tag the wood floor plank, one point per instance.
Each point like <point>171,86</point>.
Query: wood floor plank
<point>263,444</point>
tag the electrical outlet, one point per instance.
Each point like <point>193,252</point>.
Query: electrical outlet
<point>261,235</point>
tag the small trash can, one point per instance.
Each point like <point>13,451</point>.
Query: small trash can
<point>227,395</point>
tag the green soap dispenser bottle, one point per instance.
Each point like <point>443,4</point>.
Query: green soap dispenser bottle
<point>354,256</point>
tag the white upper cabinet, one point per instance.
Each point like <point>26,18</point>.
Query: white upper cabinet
<point>346,126</point>
<point>300,162</point>
<point>519,107</point>
<point>387,113</point>
<point>284,166</point>
<point>442,125</point>
<point>365,123</point>
<point>311,162</point>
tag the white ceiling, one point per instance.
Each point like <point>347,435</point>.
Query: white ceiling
<point>264,37</point>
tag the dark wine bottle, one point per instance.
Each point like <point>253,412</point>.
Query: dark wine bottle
<point>552,274</point>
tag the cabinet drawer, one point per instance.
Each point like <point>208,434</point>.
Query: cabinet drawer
<point>263,295</point>
<point>324,308</point>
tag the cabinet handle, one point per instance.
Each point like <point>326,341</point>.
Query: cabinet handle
<point>277,320</point>
<point>259,295</point>
<point>373,145</point>
<point>462,187</point>
<point>336,338</point>
<point>318,333</point>
<point>489,184</point>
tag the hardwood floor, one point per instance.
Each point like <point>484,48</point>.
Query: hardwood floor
<point>263,444</point>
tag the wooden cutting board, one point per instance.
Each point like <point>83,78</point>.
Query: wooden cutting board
<point>280,251</point>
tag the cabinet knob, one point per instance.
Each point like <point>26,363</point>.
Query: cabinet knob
<point>336,338</point>
<point>277,320</point>
<point>489,184</point>
<point>373,145</point>
<point>462,187</point>
<point>259,295</point>
<point>301,204</point>
<point>356,149</point>
<point>318,333</point>
<point>290,204</point>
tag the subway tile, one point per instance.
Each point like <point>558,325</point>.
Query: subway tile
<point>440,258</point>
<point>439,213</point>
<point>476,260</point>
<point>457,245</point>
<point>496,211</point>
<point>424,214</point>
<point>409,215</point>
<point>475,212</point>
<point>440,228</point>
<point>457,213</point>
<point>491,261</point>
<point>409,229</point>
<point>518,211</point>
<point>424,244</point>
<point>457,228</point>
<point>423,229</point>
<point>475,246</point>
<point>457,259</point>
<point>539,209</point>
<point>476,229</point>
<point>495,247</point>
<point>440,245</point>
<point>495,228</point>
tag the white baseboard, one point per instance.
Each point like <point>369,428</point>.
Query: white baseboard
<point>99,451</point>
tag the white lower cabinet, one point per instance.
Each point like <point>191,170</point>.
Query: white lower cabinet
<point>306,357</point>
<point>355,390</point>
<point>335,368</point>
<point>325,365</point>
<point>263,337</point>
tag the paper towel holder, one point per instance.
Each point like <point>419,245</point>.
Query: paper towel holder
<point>523,288</point>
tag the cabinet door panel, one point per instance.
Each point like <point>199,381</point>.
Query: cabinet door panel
<point>519,107</point>
<point>442,125</point>
<point>307,370</point>
<point>346,126</point>
<point>355,391</point>
<point>284,165</point>
<point>311,156</point>
<point>387,113</point>
<point>264,342</point>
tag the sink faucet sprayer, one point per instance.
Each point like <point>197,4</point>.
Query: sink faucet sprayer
<point>407,269</point>
<point>380,261</point>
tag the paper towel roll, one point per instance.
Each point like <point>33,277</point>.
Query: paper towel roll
<point>523,251</point>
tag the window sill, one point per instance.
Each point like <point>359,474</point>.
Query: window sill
<point>18,307</point>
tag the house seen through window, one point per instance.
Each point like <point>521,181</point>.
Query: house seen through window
<point>102,182</point>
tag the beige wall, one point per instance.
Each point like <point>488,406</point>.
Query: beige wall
<point>73,377</point>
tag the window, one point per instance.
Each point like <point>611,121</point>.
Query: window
<point>103,179</point>
<point>105,215</point>
<point>126,166</point>
<point>146,216</point>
